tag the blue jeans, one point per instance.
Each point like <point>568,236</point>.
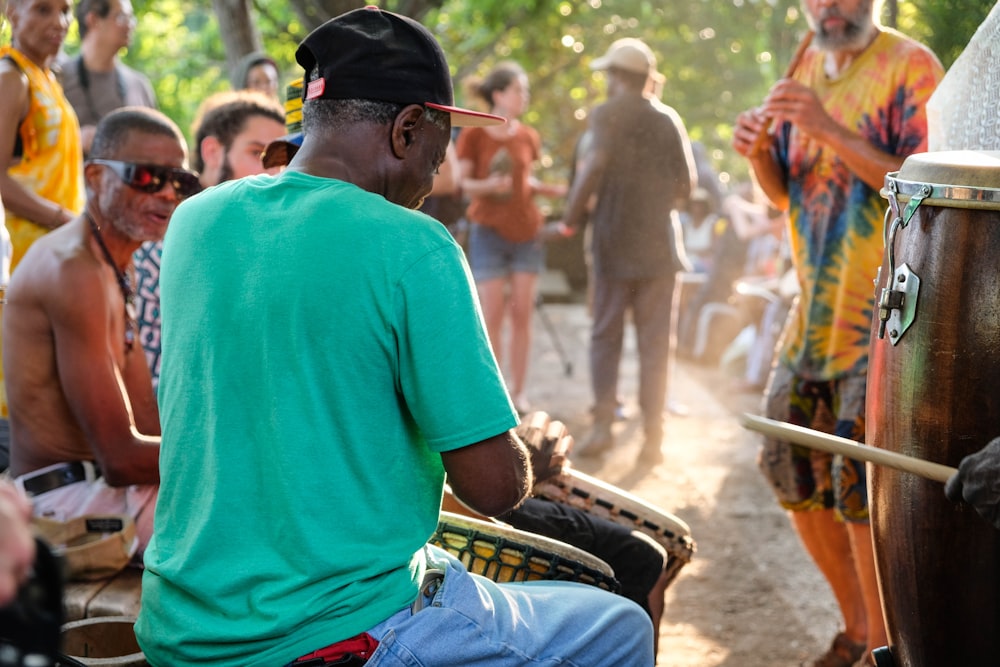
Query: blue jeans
<point>470,620</point>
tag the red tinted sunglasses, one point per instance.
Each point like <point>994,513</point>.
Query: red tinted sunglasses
<point>153,177</point>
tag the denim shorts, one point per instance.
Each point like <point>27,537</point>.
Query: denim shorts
<point>492,256</point>
<point>804,478</point>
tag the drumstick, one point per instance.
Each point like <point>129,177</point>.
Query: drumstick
<point>836,445</point>
<point>793,64</point>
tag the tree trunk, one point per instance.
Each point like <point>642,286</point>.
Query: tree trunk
<point>237,29</point>
<point>891,12</point>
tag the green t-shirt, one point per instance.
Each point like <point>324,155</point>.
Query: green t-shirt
<point>321,347</point>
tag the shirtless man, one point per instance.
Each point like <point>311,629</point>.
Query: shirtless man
<point>85,430</point>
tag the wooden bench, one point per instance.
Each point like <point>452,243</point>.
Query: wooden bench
<point>116,596</point>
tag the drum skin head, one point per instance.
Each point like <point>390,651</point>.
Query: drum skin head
<point>951,179</point>
<point>976,169</point>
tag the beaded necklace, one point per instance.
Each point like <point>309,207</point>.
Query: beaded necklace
<point>124,284</point>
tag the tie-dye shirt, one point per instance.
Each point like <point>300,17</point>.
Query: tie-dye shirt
<point>835,219</point>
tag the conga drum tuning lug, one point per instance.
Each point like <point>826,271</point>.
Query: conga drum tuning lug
<point>898,304</point>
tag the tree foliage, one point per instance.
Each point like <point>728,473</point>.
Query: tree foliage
<point>718,56</point>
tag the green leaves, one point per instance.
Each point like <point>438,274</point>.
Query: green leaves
<point>718,56</point>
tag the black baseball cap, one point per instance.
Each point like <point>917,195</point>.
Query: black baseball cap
<point>373,54</point>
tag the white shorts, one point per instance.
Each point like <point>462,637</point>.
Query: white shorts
<point>94,496</point>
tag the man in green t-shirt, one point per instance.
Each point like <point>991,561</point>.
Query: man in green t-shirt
<point>324,366</point>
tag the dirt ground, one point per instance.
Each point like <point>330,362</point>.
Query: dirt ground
<point>750,597</point>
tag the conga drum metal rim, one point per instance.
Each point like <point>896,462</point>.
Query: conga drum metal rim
<point>925,175</point>
<point>924,180</point>
<point>503,553</point>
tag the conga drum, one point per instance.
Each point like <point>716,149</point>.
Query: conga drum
<point>932,393</point>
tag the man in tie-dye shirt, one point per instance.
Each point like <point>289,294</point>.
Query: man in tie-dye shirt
<point>852,111</point>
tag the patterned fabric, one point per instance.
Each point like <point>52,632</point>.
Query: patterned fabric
<point>147,303</point>
<point>809,479</point>
<point>52,163</point>
<point>836,220</point>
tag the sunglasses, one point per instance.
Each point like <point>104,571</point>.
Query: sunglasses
<point>153,177</point>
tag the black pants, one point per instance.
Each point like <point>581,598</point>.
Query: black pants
<point>636,559</point>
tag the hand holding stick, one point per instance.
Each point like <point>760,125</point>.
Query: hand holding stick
<point>836,445</point>
<point>764,136</point>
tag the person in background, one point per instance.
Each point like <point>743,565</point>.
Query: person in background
<point>701,231</point>
<point>852,111</point>
<point>637,161</point>
<point>261,381</point>
<point>231,130</point>
<point>506,251</point>
<point>95,81</point>
<point>257,71</point>
<point>85,431</point>
<point>41,161</point>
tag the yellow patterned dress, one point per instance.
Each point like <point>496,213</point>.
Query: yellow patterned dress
<point>51,159</point>
<point>51,163</point>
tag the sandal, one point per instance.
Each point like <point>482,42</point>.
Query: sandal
<point>843,652</point>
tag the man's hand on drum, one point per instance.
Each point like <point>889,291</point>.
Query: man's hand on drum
<point>977,482</point>
<point>548,442</point>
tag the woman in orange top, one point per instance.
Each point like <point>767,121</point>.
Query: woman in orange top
<point>505,248</point>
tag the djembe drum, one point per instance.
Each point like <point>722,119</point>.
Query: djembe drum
<point>934,369</point>
<point>505,554</point>
<point>607,501</point>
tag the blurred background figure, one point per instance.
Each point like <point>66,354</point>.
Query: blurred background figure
<point>41,180</point>
<point>257,71</point>
<point>505,248</point>
<point>702,230</point>
<point>41,160</point>
<point>637,161</point>
<point>95,80</point>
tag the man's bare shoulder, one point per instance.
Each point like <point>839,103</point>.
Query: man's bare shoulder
<point>57,266</point>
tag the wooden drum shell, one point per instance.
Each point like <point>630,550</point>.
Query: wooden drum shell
<point>933,395</point>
